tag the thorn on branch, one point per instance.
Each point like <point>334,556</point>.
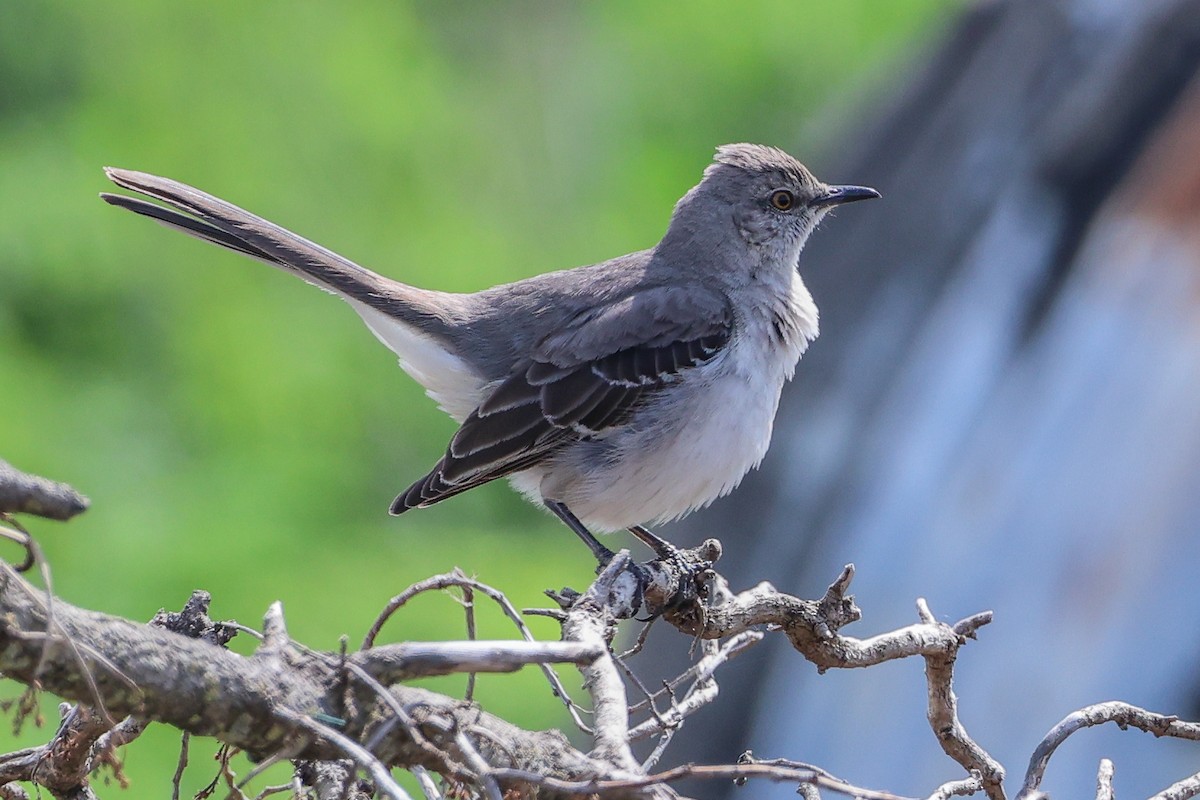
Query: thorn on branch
<point>275,635</point>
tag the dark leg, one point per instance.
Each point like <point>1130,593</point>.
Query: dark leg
<point>661,547</point>
<point>602,553</point>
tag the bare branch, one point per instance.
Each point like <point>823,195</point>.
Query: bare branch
<point>812,627</point>
<point>482,769</point>
<point>1104,780</point>
<point>400,662</point>
<point>360,755</point>
<point>87,738</point>
<point>275,636</point>
<point>62,765</point>
<point>706,665</point>
<point>640,641</point>
<point>702,693</point>
<point>704,689</point>
<point>456,578</point>
<point>22,493</point>
<point>943,704</point>
<point>589,622</point>
<point>10,791</point>
<point>1180,790</point>
<point>778,772</point>
<point>468,602</point>
<point>18,534</point>
<point>287,702</point>
<point>266,704</point>
<point>1123,714</point>
<point>181,765</point>
<point>958,788</point>
<point>330,780</point>
<point>425,781</point>
<point>267,791</point>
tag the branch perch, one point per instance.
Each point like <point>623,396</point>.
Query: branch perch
<point>335,713</point>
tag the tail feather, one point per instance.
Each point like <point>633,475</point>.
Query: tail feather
<point>189,225</point>
<point>422,327</point>
<point>211,219</point>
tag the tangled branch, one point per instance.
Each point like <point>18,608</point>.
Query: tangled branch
<point>339,715</point>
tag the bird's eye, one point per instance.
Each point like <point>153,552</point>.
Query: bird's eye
<point>783,199</point>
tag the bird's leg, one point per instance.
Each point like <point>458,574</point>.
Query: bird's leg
<point>602,553</point>
<point>661,547</point>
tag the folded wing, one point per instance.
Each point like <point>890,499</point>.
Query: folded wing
<point>581,381</point>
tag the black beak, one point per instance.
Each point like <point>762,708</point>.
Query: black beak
<point>836,195</point>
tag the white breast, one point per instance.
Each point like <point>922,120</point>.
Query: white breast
<point>699,441</point>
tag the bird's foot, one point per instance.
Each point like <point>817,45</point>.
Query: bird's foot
<point>678,581</point>
<point>661,547</point>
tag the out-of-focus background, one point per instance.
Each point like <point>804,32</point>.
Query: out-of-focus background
<point>1001,413</point>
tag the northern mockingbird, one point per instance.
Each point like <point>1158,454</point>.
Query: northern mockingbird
<point>619,394</point>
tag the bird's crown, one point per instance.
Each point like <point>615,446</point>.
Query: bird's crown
<point>761,159</point>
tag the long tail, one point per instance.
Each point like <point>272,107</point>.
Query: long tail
<point>199,214</point>
<point>422,327</point>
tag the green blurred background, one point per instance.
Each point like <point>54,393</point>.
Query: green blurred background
<point>239,431</point>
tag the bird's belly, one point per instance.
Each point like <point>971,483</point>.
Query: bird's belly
<point>673,457</point>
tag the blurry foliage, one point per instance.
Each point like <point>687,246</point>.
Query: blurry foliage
<point>240,432</point>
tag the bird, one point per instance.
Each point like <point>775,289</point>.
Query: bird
<point>617,395</point>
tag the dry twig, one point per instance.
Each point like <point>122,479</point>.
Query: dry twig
<point>457,578</point>
<point>22,493</point>
<point>1123,714</point>
<point>319,709</point>
<point>1104,780</point>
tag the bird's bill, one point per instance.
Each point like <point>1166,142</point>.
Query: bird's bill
<point>837,195</point>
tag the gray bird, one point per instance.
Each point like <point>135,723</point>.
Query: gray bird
<point>619,394</point>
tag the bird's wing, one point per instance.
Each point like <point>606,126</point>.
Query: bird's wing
<point>581,380</point>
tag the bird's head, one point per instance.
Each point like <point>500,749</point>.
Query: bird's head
<point>769,198</point>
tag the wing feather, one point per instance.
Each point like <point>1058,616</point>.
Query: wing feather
<point>581,382</point>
